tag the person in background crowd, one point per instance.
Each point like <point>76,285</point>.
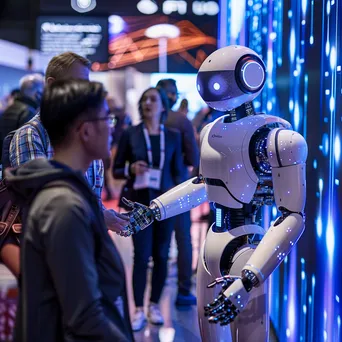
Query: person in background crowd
<point>184,107</point>
<point>73,280</point>
<point>24,105</point>
<point>8,100</point>
<point>122,122</point>
<point>12,96</point>
<point>149,156</point>
<point>190,152</point>
<point>31,141</point>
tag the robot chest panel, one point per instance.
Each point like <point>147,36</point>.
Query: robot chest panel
<point>231,180</point>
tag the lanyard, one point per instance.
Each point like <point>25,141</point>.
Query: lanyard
<point>149,147</point>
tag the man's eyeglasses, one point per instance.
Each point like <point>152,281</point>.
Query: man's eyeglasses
<point>110,118</point>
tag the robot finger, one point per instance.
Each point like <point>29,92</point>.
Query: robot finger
<point>212,305</point>
<point>226,280</point>
<point>218,310</point>
<point>221,299</point>
<point>213,320</point>
<point>128,202</point>
<point>218,318</point>
<point>226,321</point>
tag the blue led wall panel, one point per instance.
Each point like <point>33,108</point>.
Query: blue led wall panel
<point>300,42</point>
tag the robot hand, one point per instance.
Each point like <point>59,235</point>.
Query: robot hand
<point>231,300</point>
<point>140,217</point>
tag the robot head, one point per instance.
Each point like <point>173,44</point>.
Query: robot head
<point>230,77</point>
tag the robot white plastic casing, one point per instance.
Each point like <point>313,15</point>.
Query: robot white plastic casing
<point>225,159</point>
<point>227,79</point>
<point>231,76</point>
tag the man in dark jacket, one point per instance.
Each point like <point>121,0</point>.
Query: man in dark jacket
<point>182,222</point>
<point>24,106</point>
<point>72,278</point>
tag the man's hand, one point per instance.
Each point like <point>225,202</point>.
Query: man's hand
<point>116,222</point>
<point>139,167</point>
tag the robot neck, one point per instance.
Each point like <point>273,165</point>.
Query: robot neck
<point>246,109</point>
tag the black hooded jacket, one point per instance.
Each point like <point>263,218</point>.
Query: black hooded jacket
<point>72,284</point>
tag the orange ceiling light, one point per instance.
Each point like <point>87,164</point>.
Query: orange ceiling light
<point>134,47</point>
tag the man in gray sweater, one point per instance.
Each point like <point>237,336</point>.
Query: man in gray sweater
<point>72,284</point>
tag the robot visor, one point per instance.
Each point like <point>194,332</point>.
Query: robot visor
<point>218,85</point>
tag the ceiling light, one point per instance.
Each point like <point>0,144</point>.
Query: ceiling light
<point>83,6</point>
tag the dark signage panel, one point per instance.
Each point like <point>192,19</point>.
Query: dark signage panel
<point>86,36</point>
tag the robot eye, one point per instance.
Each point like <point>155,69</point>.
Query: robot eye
<point>251,74</point>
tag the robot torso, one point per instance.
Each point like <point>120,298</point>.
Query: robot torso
<point>234,157</point>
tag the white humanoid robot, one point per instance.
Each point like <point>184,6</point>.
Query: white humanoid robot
<point>247,160</point>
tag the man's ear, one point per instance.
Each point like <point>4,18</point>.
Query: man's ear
<point>50,80</point>
<point>84,131</point>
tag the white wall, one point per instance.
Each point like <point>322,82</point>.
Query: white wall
<point>17,56</point>
<point>126,87</point>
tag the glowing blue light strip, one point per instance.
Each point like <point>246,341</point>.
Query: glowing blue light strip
<point>303,303</point>
<point>312,309</point>
<point>305,109</point>
<point>218,217</point>
<point>222,23</point>
<point>311,40</point>
<point>291,331</point>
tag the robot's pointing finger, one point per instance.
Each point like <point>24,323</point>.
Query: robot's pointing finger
<point>224,281</point>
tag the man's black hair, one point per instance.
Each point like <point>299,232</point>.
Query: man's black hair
<point>65,102</point>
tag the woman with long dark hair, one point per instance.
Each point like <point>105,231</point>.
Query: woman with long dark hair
<point>149,156</point>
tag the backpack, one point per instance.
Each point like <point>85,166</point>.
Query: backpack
<point>10,221</point>
<point>9,215</point>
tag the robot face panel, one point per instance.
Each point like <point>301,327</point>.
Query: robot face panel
<point>230,77</point>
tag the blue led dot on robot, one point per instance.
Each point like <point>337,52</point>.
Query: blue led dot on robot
<point>216,86</point>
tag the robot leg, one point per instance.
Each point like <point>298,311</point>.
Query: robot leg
<point>209,332</point>
<point>252,324</point>
<point>252,321</point>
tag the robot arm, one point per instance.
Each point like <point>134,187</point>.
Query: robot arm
<point>287,153</point>
<point>178,200</point>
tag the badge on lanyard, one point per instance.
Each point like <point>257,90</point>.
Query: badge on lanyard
<point>152,177</point>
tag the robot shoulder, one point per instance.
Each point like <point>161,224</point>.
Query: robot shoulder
<point>286,147</point>
<point>204,131</point>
